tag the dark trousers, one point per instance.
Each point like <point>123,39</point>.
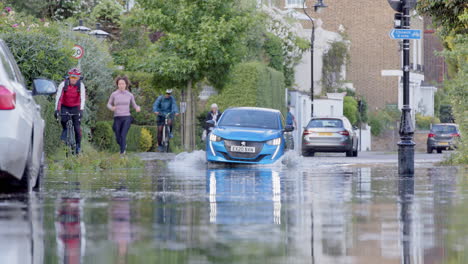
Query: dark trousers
<point>121,127</point>
<point>75,111</point>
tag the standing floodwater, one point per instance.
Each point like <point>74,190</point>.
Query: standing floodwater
<point>181,212</point>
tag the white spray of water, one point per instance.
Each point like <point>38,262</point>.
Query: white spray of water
<point>192,160</point>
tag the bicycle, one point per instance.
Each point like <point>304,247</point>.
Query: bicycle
<point>165,132</point>
<point>70,139</point>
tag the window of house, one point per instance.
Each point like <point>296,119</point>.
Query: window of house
<point>294,3</point>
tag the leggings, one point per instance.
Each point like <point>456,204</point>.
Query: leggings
<point>121,127</point>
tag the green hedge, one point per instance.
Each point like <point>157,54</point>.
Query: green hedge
<point>103,138</point>
<point>252,84</point>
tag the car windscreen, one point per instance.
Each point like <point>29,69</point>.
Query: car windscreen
<point>250,118</point>
<point>325,123</point>
<point>444,129</point>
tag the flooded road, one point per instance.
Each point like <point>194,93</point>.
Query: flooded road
<point>182,212</point>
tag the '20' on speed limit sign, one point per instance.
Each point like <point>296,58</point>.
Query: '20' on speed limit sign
<point>78,52</point>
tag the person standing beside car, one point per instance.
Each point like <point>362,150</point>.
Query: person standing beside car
<point>70,98</point>
<point>119,103</point>
<point>214,114</point>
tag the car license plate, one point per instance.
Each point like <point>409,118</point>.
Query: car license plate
<point>444,143</point>
<point>243,149</point>
<point>325,134</point>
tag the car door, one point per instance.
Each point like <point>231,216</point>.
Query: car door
<point>28,110</point>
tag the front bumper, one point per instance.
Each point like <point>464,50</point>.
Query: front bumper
<point>217,152</point>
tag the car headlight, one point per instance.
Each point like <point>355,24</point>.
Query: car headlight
<point>274,142</point>
<point>214,137</point>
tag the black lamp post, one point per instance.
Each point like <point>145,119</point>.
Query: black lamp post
<point>406,144</point>
<point>317,8</point>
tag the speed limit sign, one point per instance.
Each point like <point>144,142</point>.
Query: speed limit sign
<point>78,52</point>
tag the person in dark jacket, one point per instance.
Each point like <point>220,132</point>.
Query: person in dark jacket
<point>214,114</point>
<point>164,105</point>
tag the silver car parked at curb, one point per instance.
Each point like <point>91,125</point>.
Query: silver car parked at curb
<point>21,125</point>
<point>329,134</point>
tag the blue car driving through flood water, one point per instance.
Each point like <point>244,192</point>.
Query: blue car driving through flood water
<point>247,135</point>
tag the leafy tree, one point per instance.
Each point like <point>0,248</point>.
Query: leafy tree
<point>202,40</point>
<point>350,109</point>
<point>449,15</point>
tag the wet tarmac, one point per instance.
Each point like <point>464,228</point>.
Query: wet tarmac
<point>307,211</point>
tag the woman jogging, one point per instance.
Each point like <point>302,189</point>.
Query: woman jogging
<point>119,103</point>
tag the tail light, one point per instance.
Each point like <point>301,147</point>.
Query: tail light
<point>431,135</point>
<point>344,133</point>
<point>306,132</point>
<point>7,99</point>
<point>455,135</point>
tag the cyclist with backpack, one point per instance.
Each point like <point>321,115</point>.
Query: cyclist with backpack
<point>163,106</point>
<point>70,98</point>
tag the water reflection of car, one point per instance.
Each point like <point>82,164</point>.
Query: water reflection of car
<point>329,134</point>
<point>247,135</point>
<point>22,230</point>
<point>260,188</point>
<point>21,125</point>
<point>442,137</point>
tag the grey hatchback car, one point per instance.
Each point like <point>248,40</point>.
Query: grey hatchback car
<point>329,134</point>
<point>21,125</point>
<point>442,137</point>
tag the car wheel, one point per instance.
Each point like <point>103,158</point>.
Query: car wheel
<point>355,153</point>
<point>439,151</point>
<point>349,153</point>
<point>40,175</point>
<point>26,179</point>
<point>429,150</point>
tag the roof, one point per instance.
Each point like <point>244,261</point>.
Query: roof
<point>254,108</point>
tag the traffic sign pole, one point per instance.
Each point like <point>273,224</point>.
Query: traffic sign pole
<point>406,144</point>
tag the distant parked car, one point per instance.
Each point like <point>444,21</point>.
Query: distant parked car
<point>247,135</point>
<point>329,134</point>
<point>21,124</point>
<point>442,137</point>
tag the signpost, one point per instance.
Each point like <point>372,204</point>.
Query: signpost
<point>405,34</point>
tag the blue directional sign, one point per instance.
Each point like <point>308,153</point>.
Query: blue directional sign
<point>405,34</point>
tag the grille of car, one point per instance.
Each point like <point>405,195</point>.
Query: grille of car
<point>238,155</point>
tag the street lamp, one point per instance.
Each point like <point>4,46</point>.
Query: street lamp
<point>317,8</point>
<point>98,32</point>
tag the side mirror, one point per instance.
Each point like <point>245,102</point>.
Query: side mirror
<point>42,86</point>
<point>210,123</point>
<point>355,128</point>
<point>288,129</point>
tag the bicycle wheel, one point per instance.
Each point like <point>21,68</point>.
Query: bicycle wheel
<point>166,139</point>
<point>71,141</point>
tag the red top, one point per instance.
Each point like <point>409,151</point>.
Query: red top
<point>70,98</point>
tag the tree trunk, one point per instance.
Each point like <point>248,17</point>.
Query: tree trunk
<point>189,124</point>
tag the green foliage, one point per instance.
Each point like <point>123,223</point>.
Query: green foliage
<point>53,129</point>
<point>102,135</point>
<point>274,49</point>
<point>424,122</point>
<point>146,140</point>
<point>202,39</point>
<point>39,55</point>
<point>252,84</point>
<point>383,119</point>
<point>333,61</point>
<point>107,12</point>
<point>350,109</point>
<point>449,15</point>
<point>445,113</point>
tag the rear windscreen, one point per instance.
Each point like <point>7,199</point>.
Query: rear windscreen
<point>444,129</point>
<point>323,123</point>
